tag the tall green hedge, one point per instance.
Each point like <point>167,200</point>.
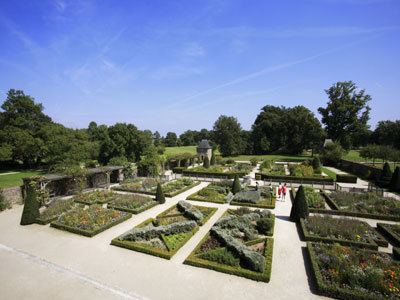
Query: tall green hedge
<point>206,162</point>
<point>160,194</point>
<point>395,182</point>
<point>299,208</point>
<point>236,187</point>
<point>212,162</point>
<point>31,207</point>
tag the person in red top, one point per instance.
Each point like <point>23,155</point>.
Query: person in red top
<point>279,190</point>
<point>284,189</point>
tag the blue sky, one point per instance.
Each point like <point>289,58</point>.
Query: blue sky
<point>178,65</point>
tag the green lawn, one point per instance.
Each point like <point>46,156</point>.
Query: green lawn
<point>269,157</point>
<point>15,179</point>
<point>329,173</point>
<point>180,150</point>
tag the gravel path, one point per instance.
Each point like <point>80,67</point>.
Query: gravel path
<point>39,262</point>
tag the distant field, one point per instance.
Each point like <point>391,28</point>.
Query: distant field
<point>180,150</point>
<point>15,179</point>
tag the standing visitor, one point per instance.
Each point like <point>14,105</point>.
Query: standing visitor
<point>284,189</point>
<point>279,190</point>
<point>271,190</point>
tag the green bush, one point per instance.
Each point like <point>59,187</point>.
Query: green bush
<point>264,225</point>
<point>230,161</point>
<point>206,163</point>
<point>332,153</point>
<point>160,194</point>
<point>254,161</point>
<point>31,207</point>
<point>222,256</point>
<point>386,174</point>
<point>236,187</point>
<point>316,164</point>
<point>395,182</point>
<point>212,162</point>
<point>299,208</point>
<point>346,178</point>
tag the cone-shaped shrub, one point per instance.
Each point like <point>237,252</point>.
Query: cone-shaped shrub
<point>160,194</point>
<point>386,173</point>
<point>212,162</point>
<point>31,207</point>
<point>395,182</point>
<point>236,187</point>
<point>299,207</point>
<point>316,164</point>
<point>206,163</point>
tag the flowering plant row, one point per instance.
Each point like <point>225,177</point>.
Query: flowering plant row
<point>95,197</point>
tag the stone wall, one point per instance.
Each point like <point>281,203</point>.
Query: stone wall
<point>360,169</point>
<point>13,194</point>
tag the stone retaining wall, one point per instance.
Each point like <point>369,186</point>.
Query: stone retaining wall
<point>13,194</point>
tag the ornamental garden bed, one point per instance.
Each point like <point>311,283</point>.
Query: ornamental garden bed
<point>132,203</point>
<point>260,198</point>
<point>238,244</point>
<point>391,231</point>
<point>315,200</point>
<point>99,197</point>
<point>168,232</point>
<point>170,189</point>
<point>139,185</point>
<point>56,208</point>
<point>91,221</point>
<point>215,192</point>
<point>353,273</point>
<point>368,205</point>
<point>219,171</point>
<point>349,232</point>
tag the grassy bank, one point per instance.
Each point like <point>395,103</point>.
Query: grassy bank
<point>16,179</point>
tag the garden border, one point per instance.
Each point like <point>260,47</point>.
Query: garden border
<point>394,238</point>
<point>134,211</point>
<point>89,233</point>
<point>153,191</point>
<point>266,206</point>
<point>264,176</point>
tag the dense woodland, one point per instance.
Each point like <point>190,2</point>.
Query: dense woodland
<point>30,138</point>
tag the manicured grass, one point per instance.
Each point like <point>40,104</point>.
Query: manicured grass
<point>354,155</point>
<point>329,173</point>
<point>15,179</point>
<point>180,150</point>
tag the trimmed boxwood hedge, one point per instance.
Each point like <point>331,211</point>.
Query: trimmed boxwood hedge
<point>340,212</point>
<point>43,221</point>
<point>346,178</point>
<point>133,211</point>
<point>373,244</point>
<point>396,253</point>
<point>89,233</point>
<point>151,250</point>
<point>238,271</point>
<point>327,180</point>
<point>259,205</point>
<point>332,291</point>
<point>228,175</point>
<point>204,221</point>
<point>386,231</point>
<point>178,170</point>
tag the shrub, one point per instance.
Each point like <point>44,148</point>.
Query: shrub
<point>160,194</point>
<point>332,153</point>
<point>236,187</point>
<point>190,211</point>
<point>254,161</point>
<point>206,162</point>
<point>31,207</point>
<point>386,173</point>
<point>222,256</point>
<point>316,164</point>
<point>212,162</point>
<point>230,161</point>
<point>395,182</point>
<point>247,197</point>
<point>346,178</point>
<point>117,161</point>
<point>299,208</point>
<point>264,225</point>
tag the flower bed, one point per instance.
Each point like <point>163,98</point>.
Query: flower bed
<point>139,185</point>
<point>352,273</point>
<point>264,199</point>
<point>132,203</point>
<point>314,199</point>
<point>344,231</point>
<point>171,189</point>
<point>216,192</point>
<point>55,209</point>
<point>99,197</point>
<point>167,233</point>
<point>219,171</point>
<point>237,244</point>
<point>91,221</point>
<point>392,231</point>
<point>362,205</point>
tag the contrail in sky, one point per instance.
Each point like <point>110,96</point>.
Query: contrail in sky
<point>269,70</point>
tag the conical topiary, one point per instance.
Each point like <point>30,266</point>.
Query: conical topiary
<point>395,182</point>
<point>160,194</point>
<point>316,164</point>
<point>386,174</point>
<point>299,207</point>
<point>212,162</point>
<point>206,163</point>
<point>236,187</point>
<point>31,207</point>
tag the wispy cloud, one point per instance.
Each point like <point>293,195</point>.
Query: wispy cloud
<point>175,71</point>
<point>193,49</point>
<point>265,71</point>
<point>60,5</point>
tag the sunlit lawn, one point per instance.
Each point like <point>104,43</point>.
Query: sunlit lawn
<point>15,179</point>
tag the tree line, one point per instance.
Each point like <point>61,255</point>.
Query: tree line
<point>30,137</point>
